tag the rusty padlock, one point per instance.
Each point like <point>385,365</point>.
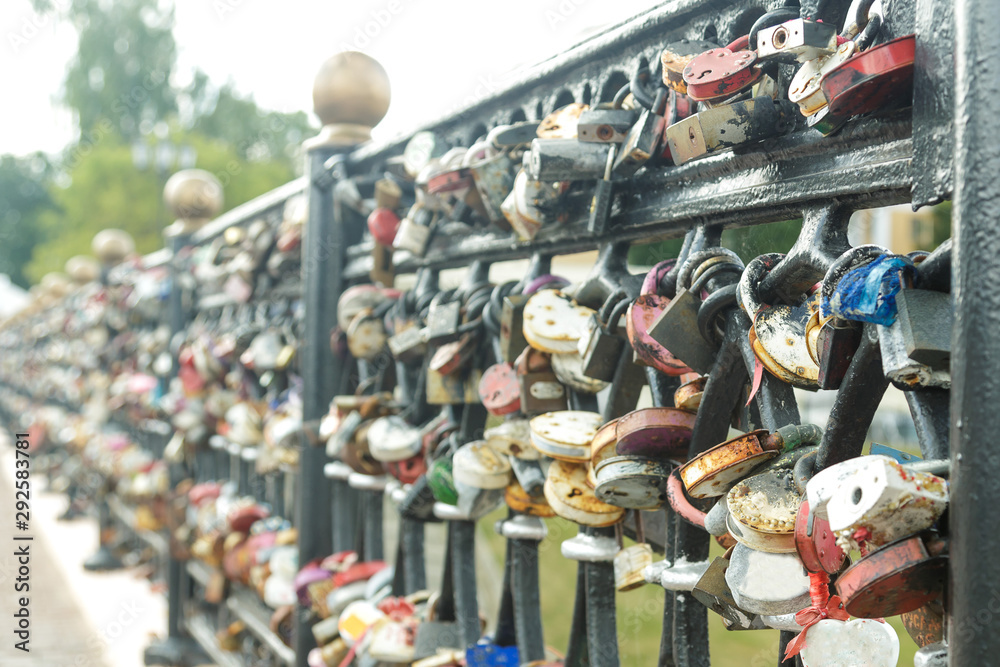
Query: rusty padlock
<point>640,317</point>
<point>722,72</point>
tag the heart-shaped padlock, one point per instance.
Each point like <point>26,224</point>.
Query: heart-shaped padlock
<point>862,641</point>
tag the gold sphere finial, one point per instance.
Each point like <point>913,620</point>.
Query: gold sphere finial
<point>111,246</point>
<point>350,97</point>
<point>56,284</point>
<point>194,196</point>
<point>83,269</point>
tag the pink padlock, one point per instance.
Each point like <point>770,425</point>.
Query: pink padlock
<point>639,319</point>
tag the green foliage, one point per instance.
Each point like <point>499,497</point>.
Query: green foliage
<point>106,190</point>
<point>23,198</point>
<point>120,75</point>
<point>749,242</point>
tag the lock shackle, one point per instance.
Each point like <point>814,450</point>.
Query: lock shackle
<point>852,259</point>
<point>604,312</point>
<point>679,502</point>
<point>739,44</point>
<point>858,20</point>
<point>804,470</point>
<point>769,20</point>
<point>870,32</point>
<point>696,259</point>
<point>546,281</point>
<point>616,315</point>
<point>750,281</point>
<point>718,301</point>
<point>647,96</point>
<point>651,283</point>
<point>621,95</point>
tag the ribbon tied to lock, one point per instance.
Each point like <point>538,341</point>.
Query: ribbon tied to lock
<point>868,293</point>
<point>824,606</point>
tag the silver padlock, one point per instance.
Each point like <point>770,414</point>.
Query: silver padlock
<point>767,583</point>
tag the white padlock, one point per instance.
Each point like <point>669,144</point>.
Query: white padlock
<point>863,642</point>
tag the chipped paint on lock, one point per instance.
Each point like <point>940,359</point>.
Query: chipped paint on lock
<point>767,583</point>
<point>720,72</point>
<point>762,511</point>
<point>366,335</point>
<point>494,179</point>
<point>805,88</point>
<point>567,427</point>
<point>639,319</point>
<point>654,432</point>
<point>779,341</point>
<point>569,496</point>
<point>688,395</point>
<point>601,448</point>
<point>553,322</point>
<point>819,552</point>
<point>833,643</point>
<point>872,79</point>
<point>925,625</point>
<point>711,473</point>
<point>561,123</point>
<point>513,438</point>
<point>499,390</point>
<point>568,367</point>
<point>895,579</point>
<point>881,501</point>
<point>478,465</point>
<point>521,501</point>
<point>726,127</point>
<point>632,482</point>
<point>629,565</point>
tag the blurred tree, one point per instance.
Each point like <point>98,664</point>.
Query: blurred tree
<point>23,198</point>
<point>119,79</point>
<point>106,190</point>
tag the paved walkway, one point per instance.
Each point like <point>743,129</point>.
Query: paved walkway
<point>78,619</point>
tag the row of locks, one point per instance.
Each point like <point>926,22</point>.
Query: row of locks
<point>609,402</point>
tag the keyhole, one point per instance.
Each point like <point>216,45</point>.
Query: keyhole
<point>856,497</point>
<point>704,73</point>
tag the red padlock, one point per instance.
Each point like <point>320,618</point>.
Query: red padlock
<point>818,551</point>
<point>499,390</point>
<point>720,73</point>
<point>383,223</point>
<point>408,470</point>
<point>871,79</point>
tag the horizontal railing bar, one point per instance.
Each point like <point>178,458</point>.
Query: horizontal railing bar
<point>249,210</point>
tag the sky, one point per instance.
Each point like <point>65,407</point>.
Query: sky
<point>273,48</point>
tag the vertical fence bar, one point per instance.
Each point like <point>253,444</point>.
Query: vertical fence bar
<point>975,481</point>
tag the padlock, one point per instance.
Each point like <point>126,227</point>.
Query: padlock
<point>392,640</point>
<point>553,322</point>
<point>639,319</point>
<point>601,447</point>
<point>925,624</point>
<point>414,231</point>
<point>422,147</point>
<point>713,592</point>
<point>859,642</point>
<point>713,472</point>
<point>600,350</point>
<point>656,433</point>
<point>605,125</point>
<point>570,497</point>
<point>540,389</point>
<point>521,501</point>
<point>553,160</point>
<point>816,543</point>
<point>441,481</point>
<point>357,455</point>
<point>561,123</point>
<point>831,342</point>
<point>629,565</point>
<point>688,395</point>
<point>778,334</point>
<point>407,344</point>
<point>880,501</point>
<point>478,465</point>
<point>641,143</point>
<point>499,390</point>
<point>722,72</point>
<point>729,126</point>
<point>512,341</point>
<point>922,328</point>
<point>632,482</point>
<point>392,440</point>
<point>568,368</point>
<point>872,79</point>
<point>801,39</point>
<point>676,56</point>
<point>899,577</point>
<point>383,224</point>
<point>767,583</point>
<point>513,438</point>
<point>437,638</point>
<point>762,511</point>
<point>806,89</point>
<point>366,336</point>
<point>453,357</point>
<point>443,317</point>
<point>565,435</point>
<point>455,389</point>
<point>676,330</point>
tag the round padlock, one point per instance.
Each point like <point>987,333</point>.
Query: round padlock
<point>655,433</point>
<point>408,470</point>
<point>357,298</point>
<point>872,79</point>
<point>553,322</point>
<point>513,437</point>
<point>629,564</point>
<point>499,390</point>
<point>478,465</point>
<point>568,367</point>
<point>632,482</point>
<point>722,72</point>
<point>570,497</point>
<point>762,511</point>
<point>521,501</point>
<point>391,439</point>
<point>601,447</point>
<point>805,88</point>
<point>366,336</point>
<point>357,456</point>
<point>566,434</point>
<point>767,583</point>
<point>688,395</point>
<point>711,473</point>
<point>818,549</point>
<point>894,579</point>
<point>441,482</point>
